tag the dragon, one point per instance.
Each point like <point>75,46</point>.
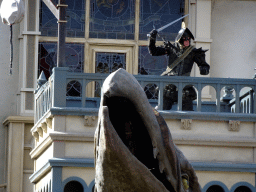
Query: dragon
<point>133,146</point>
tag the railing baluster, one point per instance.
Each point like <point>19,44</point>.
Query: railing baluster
<point>84,93</point>
<point>237,99</point>
<point>180,89</point>
<point>160,96</point>
<point>142,84</point>
<point>254,100</point>
<point>199,97</point>
<point>39,108</point>
<point>36,109</point>
<point>218,98</point>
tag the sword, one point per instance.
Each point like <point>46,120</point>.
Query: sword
<point>169,24</point>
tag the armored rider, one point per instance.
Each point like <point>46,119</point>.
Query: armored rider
<point>182,56</point>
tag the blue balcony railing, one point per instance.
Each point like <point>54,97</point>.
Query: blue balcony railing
<point>54,92</point>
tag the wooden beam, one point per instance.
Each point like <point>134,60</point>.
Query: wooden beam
<point>52,8</point>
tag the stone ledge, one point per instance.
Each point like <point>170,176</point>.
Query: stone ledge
<point>59,136</point>
<point>18,119</point>
<point>222,116</point>
<point>224,167</point>
<point>214,141</point>
<point>60,162</point>
<point>208,116</point>
<point>40,173</point>
<point>198,166</point>
<point>203,40</point>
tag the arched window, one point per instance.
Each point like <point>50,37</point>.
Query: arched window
<point>73,186</point>
<point>215,188</point>
<point>243,189</point>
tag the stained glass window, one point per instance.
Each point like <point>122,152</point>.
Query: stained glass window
<point>109,62</point>
<point>112,19</point>
<point>157,13</point>
<point>151,65</point>
<point>75,19</point>
<point>48,57</point>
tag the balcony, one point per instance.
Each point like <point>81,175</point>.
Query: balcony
<point>218,135</point>
<point>54,94</point>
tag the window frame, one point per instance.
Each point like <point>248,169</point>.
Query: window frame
<point>91,43</point>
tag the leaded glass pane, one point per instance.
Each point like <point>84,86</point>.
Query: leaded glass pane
<point>109,62</point>
<point>112,19</point>
<point>151,65</point>
<point>151,91</point>
<point>48,57</point>
<point>157,13</point>
<point>75,19</point>
<point>74,89</point>
<point>97,92</point>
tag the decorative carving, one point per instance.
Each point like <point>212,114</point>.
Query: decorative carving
<point>228,94</point>
<point>36,135</point>
<point>89,120</point>
<point>234,126</point>
<point>44,127</point>
<point>40,131</point>
<point>49,122</point>
<point>186,124</point>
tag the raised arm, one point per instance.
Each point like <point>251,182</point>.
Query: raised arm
<point>153,50</point>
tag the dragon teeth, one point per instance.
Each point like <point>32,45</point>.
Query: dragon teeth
<point>161,166</point>
<point>155,152</point>
<point>169,178</point>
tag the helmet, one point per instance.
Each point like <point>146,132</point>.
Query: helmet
<point>184,32</point>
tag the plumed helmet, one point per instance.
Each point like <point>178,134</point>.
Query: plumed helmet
<point>184,32</point>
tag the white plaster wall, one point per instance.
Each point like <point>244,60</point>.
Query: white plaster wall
<point>233,50</point>
<point>228,178</point>
<point>79,149</point>
<point>76,124</point>
<point>217,154</point>
<point>43,159</point>
<point>210,129</point>
<point>27,185</point>
<point>8,84</point>
<point>87,173</point>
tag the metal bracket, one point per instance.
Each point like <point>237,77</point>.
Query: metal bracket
<point>61,21</point>
<point>61,5</point>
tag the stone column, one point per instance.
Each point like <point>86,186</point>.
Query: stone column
<point>15,148</point>
<point>203,36</point>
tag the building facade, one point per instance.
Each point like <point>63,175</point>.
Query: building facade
<point>47,130</point>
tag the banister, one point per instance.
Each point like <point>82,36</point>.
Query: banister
<point>53,92</point>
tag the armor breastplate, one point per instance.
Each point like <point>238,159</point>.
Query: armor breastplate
<point>184,67</point>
